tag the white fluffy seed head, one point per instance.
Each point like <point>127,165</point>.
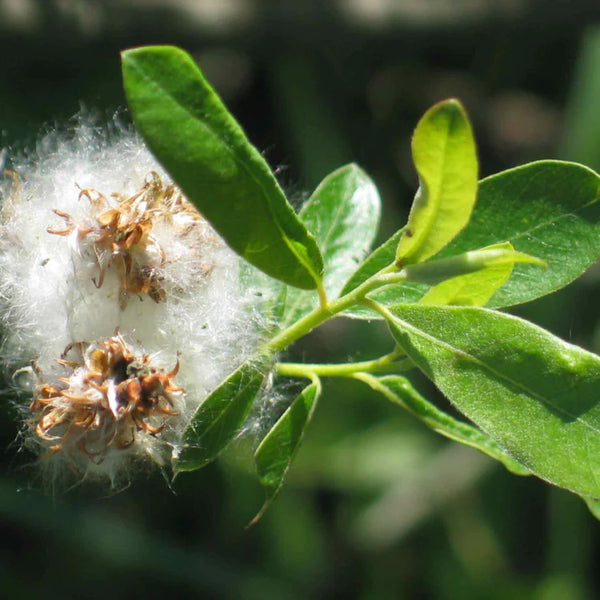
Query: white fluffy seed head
<point>74,284</point>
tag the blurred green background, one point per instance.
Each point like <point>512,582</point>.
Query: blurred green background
<point>376,507</point>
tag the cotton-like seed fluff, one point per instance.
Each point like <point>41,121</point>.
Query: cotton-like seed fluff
<point>121,307</point>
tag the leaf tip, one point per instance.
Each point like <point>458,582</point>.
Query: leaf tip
<point>353,166</point>
<point>157,49</point>
<point>154,54</point>
<point>451,107</point>
<point>453,103</point>
<point>532,260</point>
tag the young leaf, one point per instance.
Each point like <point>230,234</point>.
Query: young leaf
<point>534,394</point>
<point>343,214</point>
<point>547,209</point>
<point>219,418</point>
<point>445,158</point>
<point>436,271</point>
<point>472,289</point>
<point>399,390</point>
<point>471,278</point>
<point>279,447</point>
<point>204,149</point>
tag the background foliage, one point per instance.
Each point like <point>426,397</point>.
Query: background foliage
<point>376,506</point>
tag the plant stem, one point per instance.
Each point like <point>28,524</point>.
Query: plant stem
<point>323,302</point>
<point>384,364</point>
<point>377,307</point>
<point>322,313</point>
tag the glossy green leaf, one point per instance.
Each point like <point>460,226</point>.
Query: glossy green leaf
<point>343,214</point>
<point>219,418</point>
<point>445,157</point>
<point>400,391</point>
<point>547,209</point>
<point>534,394</point>
<point>205,150</point>
<point>276,452</point>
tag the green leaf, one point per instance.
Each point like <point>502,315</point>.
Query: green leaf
<point>547,209</point>
<point>436,271</point>
<point>399,390</point>
<point>445,158</point>
<point>219,418</point>
<point>534,394</point>
<point>471,278</point>
<point>205,150</point>
<point>343,214</point>
<point>276,452</point>
<point>471,289</point>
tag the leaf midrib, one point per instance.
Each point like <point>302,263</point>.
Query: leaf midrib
<point>239,159</point>
<point>227,408</point>
<point>496,374</point>
<point>428,226</point>
<point>301,294</point>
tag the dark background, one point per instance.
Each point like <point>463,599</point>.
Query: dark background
<point>377,507</point>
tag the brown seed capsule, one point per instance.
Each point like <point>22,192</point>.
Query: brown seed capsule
<point>108,397</point>
<point>120,234</point>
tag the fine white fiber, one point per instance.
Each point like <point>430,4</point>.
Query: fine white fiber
<point>102,258</point>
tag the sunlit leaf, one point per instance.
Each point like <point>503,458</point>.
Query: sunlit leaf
<point>546,209</point>
<point>534,394</point>
<point>436,271</point>
<point>445,157</point>
<point>343,215</point>
<point>491,268</point>
<point>205,150</point>
<point>472,289</point>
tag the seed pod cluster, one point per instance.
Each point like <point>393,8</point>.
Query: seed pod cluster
<point>122,307</point>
